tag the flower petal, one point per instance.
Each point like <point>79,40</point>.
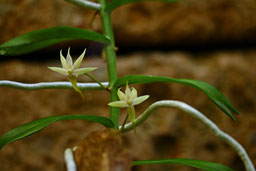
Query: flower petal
<point>69,62</point>
<point>118,104</point>
<point>128,93</point>
<point>131,114</point>
<point>63,60</point>
<point>80,71</point>
<point>121,95</point>
<point>79,60</point>
<point>134,93</point>
<point>59,70</point>
<point>73,81</point>
<point>140,99</point>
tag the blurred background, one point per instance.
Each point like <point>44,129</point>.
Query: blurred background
<point>212,41</point>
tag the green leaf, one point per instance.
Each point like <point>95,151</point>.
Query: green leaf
<point>30,128</point>
<point>205,165</point>
<point>217,97</point>
<point>117,3</point>
<point>38,39</point>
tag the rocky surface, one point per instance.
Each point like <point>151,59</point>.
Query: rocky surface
<point>148,23</point>
<point>105,146</point>
<point>167,134</point>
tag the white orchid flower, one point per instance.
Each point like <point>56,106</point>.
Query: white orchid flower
<point>129,99</point>
<point>72,70</point>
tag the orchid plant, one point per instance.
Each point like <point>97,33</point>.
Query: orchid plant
<point>35,40</point>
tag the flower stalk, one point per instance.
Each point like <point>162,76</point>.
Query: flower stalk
<point>100,84</point>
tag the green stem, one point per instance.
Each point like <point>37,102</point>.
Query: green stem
<point>125,120</point>
<point>110,59</point>
<point>92,78</point>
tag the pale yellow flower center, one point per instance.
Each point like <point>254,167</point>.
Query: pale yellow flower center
<point>70,71</point>
<point>129,102</point>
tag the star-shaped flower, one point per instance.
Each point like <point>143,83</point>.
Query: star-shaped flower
<point>72,70</point>
<point>129,99</point>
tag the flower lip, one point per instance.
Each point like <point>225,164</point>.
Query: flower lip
<point>129,102</point>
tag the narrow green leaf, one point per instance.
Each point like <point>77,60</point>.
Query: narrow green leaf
<point>217,97</point>
<point>117,3</point>
<point>38,39</point>
<point>30,128</point>
<point>205,165</point>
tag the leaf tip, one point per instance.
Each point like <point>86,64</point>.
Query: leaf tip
<point>235,110</point>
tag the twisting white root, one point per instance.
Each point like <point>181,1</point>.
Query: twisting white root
<point>51,85</point>
<point>198,115</point>
<point>85,4</point>
<point>69,160</point>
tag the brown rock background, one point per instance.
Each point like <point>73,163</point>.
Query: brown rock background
<point>141,24</point>
<point>168,133</point>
